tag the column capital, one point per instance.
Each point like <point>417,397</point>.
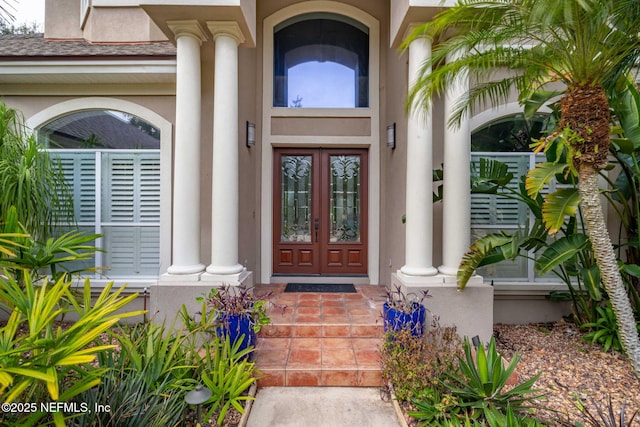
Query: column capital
<point>226,28</point>
<point>189,27</point>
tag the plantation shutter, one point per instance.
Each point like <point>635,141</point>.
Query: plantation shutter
<point>492,211</point>
<point>131,212</point>
<point>79,169</point>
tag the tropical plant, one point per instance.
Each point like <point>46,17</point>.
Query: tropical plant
<point>60,362</point>
<point>399,300</point>
<point>482,376</point>
<point>30,179</point>
<point>228,373</point>
<point>145,378</point>
<point>412,366</point>
<point>227,300</point>
<point>605,417</point>
<point>36,257</point>
<point>604,330</point>
<point>588,46</point>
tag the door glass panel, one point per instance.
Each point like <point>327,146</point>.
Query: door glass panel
<point>296,199</point>
<point>344,199</point>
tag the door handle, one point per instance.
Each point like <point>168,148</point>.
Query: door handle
<point>316,227</point>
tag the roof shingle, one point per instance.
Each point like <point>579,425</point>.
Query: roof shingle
<point>32,46</point>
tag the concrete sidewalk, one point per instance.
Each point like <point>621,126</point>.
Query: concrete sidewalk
<point>321,407</point>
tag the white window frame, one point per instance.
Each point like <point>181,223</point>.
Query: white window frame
<point>166,160</point>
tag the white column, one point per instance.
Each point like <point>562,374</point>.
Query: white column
<point>186,182</point>
<point>456,204</point>
<point>419,203</point>
<point>224,209</point>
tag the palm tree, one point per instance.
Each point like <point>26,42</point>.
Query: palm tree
<point>583,47</point>
<point>6,6</point>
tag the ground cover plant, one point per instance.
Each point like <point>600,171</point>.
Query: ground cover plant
<point>441,381</point>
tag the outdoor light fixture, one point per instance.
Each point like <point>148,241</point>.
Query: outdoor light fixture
<point>198,397</point>
<point>391,136</point>
<point>251,134</point>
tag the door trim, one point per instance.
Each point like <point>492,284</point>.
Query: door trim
<point>268,140</point>
<point>320,256</point>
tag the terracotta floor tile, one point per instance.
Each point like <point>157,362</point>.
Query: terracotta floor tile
<point>339,378</point>
<point>271,343</point>
<point>336,331</point>
<point>367,357</point>
<point>308,311</point>
<point>366,331</point>
<point>331,297</point>
<point>340,319</point>
<point>333,303</point>
<point>367,343</point>
<point>307,318</point>
<point>272,378</point>
<point>304,357</point>
<point>276,331</point>
<point>336,358</point>
<point>272,358</point>
<point>363,320</point>
<point>309,331</point>
<point>334,311</point>
<point>308,300</point>
<point>332,343</point>
<point>322,339</point>
<point>305,343</point>
<point>369,378</point>
<point>303,378</point>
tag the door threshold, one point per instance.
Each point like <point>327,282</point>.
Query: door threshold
<point>356,280</point>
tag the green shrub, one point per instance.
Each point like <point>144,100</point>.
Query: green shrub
<point>413,364</point>
<point>228,373</point>
<point>480,380</point>
<point>59,364</point>
<point>146,378</point>
<point>604,330</point>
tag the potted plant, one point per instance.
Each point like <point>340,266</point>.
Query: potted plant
<point>404,311</point>
<point>236,313</point>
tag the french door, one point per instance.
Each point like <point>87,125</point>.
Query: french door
<point>320,211</point>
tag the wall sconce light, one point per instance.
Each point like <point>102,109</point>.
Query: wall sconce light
<point>251,134</point>
<point>391,136</point>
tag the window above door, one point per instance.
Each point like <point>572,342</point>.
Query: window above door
<point>321,60</point>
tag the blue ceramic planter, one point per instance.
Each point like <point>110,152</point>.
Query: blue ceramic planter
<point>235,326</point>
<point>396,320</point>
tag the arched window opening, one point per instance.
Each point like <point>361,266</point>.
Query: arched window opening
<point>111,161</point>
<point>507,140</point>
<point>321,60</point>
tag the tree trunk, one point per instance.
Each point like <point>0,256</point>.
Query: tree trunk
<point>606,259</point>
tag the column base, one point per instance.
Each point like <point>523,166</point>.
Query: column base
<point>470,310</point>
<point>448,271</point>
<point>242,278</point>
<point>419,271</point>
<point>185,269</point>
<point>225,270</point>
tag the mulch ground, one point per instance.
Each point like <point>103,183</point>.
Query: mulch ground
<point>570,369</point>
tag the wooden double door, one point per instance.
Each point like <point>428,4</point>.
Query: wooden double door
<point>320,211</point>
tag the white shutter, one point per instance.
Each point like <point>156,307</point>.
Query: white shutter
<point>79,170</point>
<point>494,211</point>
<point>131,211</point>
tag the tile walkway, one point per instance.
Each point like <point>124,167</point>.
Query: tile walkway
<point>321,339</point>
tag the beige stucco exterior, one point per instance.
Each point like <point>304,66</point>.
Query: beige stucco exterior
<point>151,86</point>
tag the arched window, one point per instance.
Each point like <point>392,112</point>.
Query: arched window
<point>321,60</point>
<point>111,161</point>
<point>507,140</point>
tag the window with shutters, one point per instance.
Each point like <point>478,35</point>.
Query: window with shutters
<point>111,161</point>
<point>506,140</point>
